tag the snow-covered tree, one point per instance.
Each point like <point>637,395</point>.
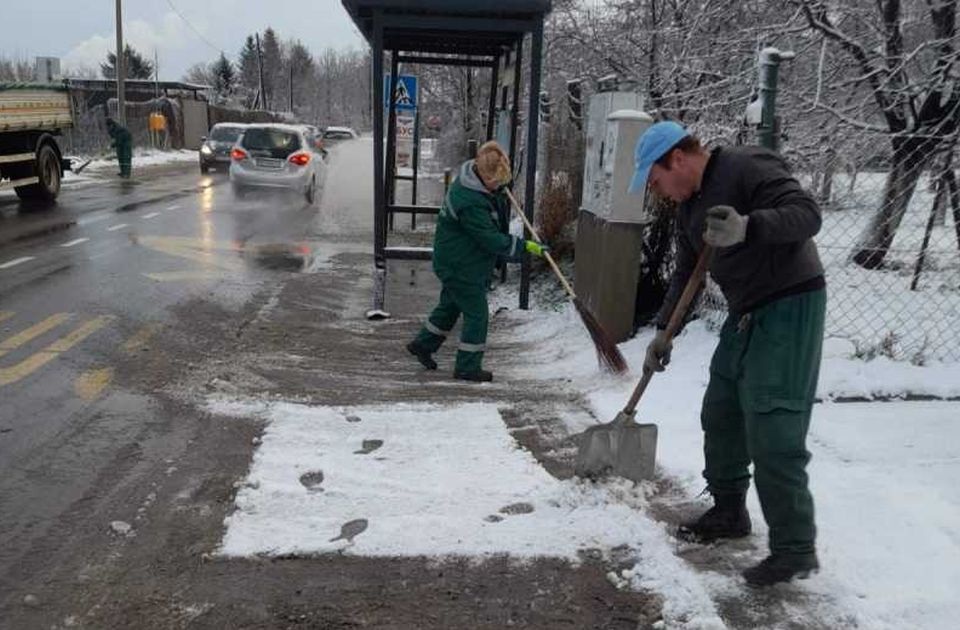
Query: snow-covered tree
<point>224,78</point>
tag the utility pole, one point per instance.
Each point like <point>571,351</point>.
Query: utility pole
<point>291,88</point>
<point>262,96</point>
<point>121,69</point>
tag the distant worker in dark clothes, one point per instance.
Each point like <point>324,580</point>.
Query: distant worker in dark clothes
<point>466,244</point>
<point>122,141</point>
<point>744,202</point>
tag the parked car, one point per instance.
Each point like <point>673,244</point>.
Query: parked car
<point>276,156</point>
<point>215,150</point>
<point>339,133</point>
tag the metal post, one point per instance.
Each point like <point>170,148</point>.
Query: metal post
<point>492,111</point>
<point>533,107</point>
<point>416,165</point>
<point>121,69</point>
<point>770,59</point>
<point>515,110</point>
<point>391,182</point>
<point>379,210</point>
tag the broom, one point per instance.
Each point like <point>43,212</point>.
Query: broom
<point>607,351</point>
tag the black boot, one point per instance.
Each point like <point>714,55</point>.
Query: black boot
<point>782,567</point>
<point>480,376</point>
<point>422,354</point>
<point>728,518</point>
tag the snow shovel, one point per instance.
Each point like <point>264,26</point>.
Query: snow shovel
<point>625,447</point>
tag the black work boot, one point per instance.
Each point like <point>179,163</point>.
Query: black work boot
<point>728,518</point>
<point>422,354</point>
<point>782,567</point>
<point>480,376</point>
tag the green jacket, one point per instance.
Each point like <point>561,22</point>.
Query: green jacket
<point>120,137</point>
<point>468,237</point>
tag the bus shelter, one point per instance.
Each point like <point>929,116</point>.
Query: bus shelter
<point>487,34</point>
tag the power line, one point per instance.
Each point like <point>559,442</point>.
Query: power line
<point>192,28</point>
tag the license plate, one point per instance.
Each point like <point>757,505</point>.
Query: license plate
<point>269,163</point>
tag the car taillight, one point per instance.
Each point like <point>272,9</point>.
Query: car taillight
<point>239,155</point>
<point>300,159</point>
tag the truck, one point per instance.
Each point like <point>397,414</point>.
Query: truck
<point>32,117</point>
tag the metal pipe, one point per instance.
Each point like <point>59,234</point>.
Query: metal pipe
<point>770,59</point>
<point>533,107</point>
<point>120,67</point>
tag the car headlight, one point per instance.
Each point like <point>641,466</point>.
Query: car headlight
<point>206,150</point>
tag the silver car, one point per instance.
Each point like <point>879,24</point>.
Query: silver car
<point>276,156</point>
<point>215,150</point>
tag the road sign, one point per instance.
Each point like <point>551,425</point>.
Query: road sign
<point>406,92</point>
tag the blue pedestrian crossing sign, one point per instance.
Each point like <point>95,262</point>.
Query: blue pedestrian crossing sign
<point>406,92</point>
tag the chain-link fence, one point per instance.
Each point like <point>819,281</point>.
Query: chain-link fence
<point>890,243</point>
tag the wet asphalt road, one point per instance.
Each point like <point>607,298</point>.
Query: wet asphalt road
<point>92,323</point>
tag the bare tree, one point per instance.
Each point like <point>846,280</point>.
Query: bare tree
<point>907,65</point>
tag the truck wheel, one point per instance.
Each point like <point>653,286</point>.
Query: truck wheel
<point>47,168</point>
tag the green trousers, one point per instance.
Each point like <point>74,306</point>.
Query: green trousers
<point>763,379</point>
<point>457,298</point>
<point>125,159</point>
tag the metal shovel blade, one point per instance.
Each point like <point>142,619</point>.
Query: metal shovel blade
<point>622,447</point>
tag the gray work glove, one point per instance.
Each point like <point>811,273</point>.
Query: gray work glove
<point>724,227</point>
<point>658,353</point>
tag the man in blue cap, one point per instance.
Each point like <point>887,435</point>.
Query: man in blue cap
<point>744,202</point>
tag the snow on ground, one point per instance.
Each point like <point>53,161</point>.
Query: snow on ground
<point>441,483</point>
<point>142,156</point>
<point>883,473</point>
<point>446,481</point>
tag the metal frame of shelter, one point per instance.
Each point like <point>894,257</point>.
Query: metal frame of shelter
<point>462,33</point>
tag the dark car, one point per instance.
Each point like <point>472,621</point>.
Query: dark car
<point>215,150</point>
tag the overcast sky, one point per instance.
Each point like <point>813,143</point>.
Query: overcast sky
<point>81,32</point>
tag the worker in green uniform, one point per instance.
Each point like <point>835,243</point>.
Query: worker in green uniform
<point>744,202</point>
<point>122,141</point>
<point>466,245</point>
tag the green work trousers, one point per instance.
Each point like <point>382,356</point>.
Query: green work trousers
<point>763,379</point>
<point>125,158</point>
<point>457,298</point>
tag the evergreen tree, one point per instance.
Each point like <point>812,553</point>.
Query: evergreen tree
<point>136,65</point>
<point>249,71</point>
<point>224,78</point>
<point>301,68</point>
<point>273,67</point>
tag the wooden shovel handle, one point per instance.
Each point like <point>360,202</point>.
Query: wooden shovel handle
<point>676,318</point>
<point>533,232</point>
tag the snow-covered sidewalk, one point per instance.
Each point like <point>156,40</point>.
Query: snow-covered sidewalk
<point>449,480</point>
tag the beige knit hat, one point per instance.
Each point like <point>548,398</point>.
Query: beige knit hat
<point>492,163</point>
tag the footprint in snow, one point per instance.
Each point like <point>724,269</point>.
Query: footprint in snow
<point>353,418</point>
<point>369,446</point>
<point>312,480</point>
<point>517,508</point>
<point>350,529</point>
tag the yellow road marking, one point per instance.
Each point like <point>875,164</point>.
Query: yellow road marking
<point>196,249</point>
<point>34,331</point>
<point>5,315</point>
<point>91,383</point>
<point>173,276</point>
<point>34,362</point>
<point>140,338</point>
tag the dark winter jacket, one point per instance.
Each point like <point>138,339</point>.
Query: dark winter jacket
<point>468,240</point>
<point>778,256</point>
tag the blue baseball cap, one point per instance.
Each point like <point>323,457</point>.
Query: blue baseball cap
<point>653,145</point>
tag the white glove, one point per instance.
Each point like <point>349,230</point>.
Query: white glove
<point>725,227</point>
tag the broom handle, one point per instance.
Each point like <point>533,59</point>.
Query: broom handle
<point>676,318</point>
<point>553,264</point>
